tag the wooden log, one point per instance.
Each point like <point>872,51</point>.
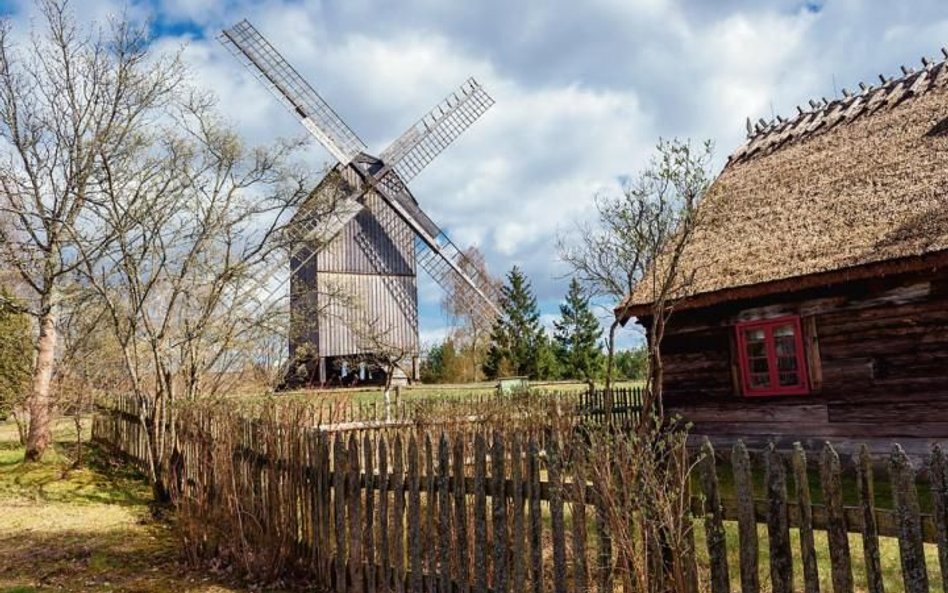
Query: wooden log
<point>714,521</point>
<point>444,515</point>
<point>518,545</point>
<point>480,515</point>
<point>801,486</point>
<point>535,525</point>
<point>398,516</point>
<point>368,544</point>
<point>414,517</point>
<point>385,567</point>
<point>939,490</point>
<point>746,520</point>
<point>499,513</point>
<point>837,536</point>
<point>778,523</point>
<point>557,524</point>
<point>870,530</point>
<point>905,497</point>
<point>340,454</point>
<point>460,519</point>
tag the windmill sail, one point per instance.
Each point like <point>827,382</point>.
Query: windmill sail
<point>249,46</point>
<point>420,144</point>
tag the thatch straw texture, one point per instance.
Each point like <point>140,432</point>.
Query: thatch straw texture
<point>860,190</point>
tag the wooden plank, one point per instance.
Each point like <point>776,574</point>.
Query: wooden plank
<point>480,515</point>
<point>557,525</point>
<point>714,521</point>
<point>905,497</point>
<point>355,525</point>
<point>398,516</point>
<point>938,467</point>
<point>385,566</point>
<point>430,536</point>
<point>578,520</point>
<point>778,523</point>
<point>340,454</point>
<point>840,559</point>
<point>535,525</point>
<point>444,515</point>
<point>746,520</point>
<point>499,513</point>
<point>368,544</point>
<point>518,544</point>
<point>460,519</point>
<point>415,564</point>
<point>870,530</point>
<point>801,485</point>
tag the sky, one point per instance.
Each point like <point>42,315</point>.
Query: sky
<point>583,90</point>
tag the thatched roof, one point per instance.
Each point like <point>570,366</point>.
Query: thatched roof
<point>854,182</point>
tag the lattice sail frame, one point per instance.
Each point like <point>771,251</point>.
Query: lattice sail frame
<point>407,156</point>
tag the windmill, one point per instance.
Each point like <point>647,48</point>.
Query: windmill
<point>356,244</point>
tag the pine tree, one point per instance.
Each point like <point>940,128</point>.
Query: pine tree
<point>517,339</point>
<point>576,337</point>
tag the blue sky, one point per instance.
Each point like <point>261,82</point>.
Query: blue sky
<point>583,89</point>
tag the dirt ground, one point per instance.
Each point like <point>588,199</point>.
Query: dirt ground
<point>83,530</point>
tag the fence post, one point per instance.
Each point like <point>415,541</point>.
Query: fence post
<point>398,516</point>
<point>939,490</point>
<point>746,518</point>
<point>911,548</point>
<point>444,514</point>
<point>460,518</point>
<point>870,530</point>
<point>535,524</point>
<point>368,545</point>
<point>801,484</point>
<point>430,550</point>
<point>714,521</point>
<point>499,513</point>
<point>414,516</point>
<point>837,535</point>
<point>480,515</point>
<point>339,453</point>
<point>385,569</point>
<point>557,525</point>
<point>778,523</point>
<point>518,546</point>
<point>353,492</point>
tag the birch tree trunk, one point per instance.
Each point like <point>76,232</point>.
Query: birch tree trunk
<point>40,435</point>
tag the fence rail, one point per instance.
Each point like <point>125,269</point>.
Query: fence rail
<point>373,512</point>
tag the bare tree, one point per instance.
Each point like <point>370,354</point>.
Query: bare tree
<point>194,219</point>
<point>69,98</point>
<point>468,336</point>
<point>636,245</point>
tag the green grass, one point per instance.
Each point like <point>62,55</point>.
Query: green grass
<point>84,529</point>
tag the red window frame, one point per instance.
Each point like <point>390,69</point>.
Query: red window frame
<point>802,386</point>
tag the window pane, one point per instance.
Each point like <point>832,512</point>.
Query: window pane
<point>783,331</point>
<point>754,335</point>
<point>760,380</point>
<point>789,379</point>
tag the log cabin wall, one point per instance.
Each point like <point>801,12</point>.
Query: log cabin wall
<point>877,354</point>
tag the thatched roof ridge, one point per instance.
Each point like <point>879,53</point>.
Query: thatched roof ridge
<point>835,193</point>
<point>823,115</point>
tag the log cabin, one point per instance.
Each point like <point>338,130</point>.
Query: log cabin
<point>818,308</point>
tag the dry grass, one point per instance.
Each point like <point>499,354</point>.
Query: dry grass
<point>89,529</point>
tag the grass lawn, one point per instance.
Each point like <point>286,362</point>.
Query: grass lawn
<point>64,529</point>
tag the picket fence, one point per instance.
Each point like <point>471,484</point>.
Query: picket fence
<point>409,511</point>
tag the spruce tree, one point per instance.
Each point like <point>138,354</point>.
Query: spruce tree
<point>517,339</point>
<point>576,336</point>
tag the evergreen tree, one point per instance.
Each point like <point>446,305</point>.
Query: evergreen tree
<point>576,337</point>
<point>517,340</point>
<point>16,355</point>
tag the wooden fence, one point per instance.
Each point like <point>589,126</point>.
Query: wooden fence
<point>409,511</point>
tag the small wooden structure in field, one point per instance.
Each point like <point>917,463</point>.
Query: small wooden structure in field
<point>819,308</point>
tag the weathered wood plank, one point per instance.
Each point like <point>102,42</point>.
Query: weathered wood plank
<point>480,515</point>
<point>368,545</point>
<point>355,524</point>
<point>840,558</point>
<point>518,544</point>
<point>398,515</point>
<point>778,523</point>
<point>870,530</point>
<point>340,455</point>
<point>415,562</point>
<point>557,524</point>
<point>444,515</point>
<point>460,519</point>
<point>746,520</point>
<point>714,522</point>
<point>430,551</point>
<point>385,567</point>
<point>939,490</point>
<point>499,513</point>
<point>801,484</point>
<point>905,497</point>
<point>535,524</point>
